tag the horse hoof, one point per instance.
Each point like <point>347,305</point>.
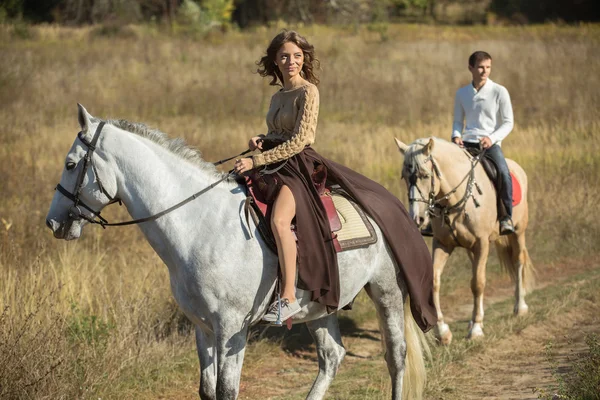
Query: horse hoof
<point>446,339</point>
<point>443,334</point>
<point>521,310</point>
<point>475,331</point>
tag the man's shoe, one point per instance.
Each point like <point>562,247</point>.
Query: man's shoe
<point>427,230</point>
<point>287,311</point>
<point>506,227</point>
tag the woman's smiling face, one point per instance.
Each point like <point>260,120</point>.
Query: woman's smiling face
<point>289,60</point>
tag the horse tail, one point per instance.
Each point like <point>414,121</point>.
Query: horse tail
<point>415,376</point>
<point>513,253</point>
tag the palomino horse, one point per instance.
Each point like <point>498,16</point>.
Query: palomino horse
<point>222,273</point>
<point>449,186</point>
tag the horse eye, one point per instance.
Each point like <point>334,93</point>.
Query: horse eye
<point>70,165</point>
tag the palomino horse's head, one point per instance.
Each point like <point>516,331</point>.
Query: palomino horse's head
<point>421,174</point>
<point>82,192</point>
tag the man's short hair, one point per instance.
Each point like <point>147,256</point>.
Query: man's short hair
<point>478,56</point>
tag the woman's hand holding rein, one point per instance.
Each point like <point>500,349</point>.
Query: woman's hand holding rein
<point>255,143</point>
<point>243,165</point>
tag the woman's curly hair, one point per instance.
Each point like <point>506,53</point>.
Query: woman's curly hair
<point>267,66</point>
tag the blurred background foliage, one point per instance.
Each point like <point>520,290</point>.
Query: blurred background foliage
<point>223,14</point>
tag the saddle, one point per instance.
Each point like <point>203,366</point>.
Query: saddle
<point>491,170</point>
<point>350,227</point>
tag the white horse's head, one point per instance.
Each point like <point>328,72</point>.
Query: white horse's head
<point>82,193</point>
<point>420,174</point>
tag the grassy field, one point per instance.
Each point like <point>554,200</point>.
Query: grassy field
<point>95,318</point>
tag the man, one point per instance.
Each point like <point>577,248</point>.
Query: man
<point>483,116</point>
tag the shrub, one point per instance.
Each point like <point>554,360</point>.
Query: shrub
<point>582,381</point>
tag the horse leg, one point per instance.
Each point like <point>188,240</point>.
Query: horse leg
<point>480,255</point>
<point>520,260</point>
<point>205,345</point>
<point>231,346</point>
<point>388,299</point>
<point>440,257</point>
<point>326,333</point>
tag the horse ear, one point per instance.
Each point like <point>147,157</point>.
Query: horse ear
<point>429,147</point>
<point>401,146</point>
<point>84,118</point>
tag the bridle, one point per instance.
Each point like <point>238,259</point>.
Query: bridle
<point>75,211</point>
<point>436,206</point>
<point>412,181</point>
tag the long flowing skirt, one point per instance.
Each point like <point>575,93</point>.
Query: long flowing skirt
<point>317,261</point>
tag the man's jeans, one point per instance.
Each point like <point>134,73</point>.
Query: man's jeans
<point>505,190</point>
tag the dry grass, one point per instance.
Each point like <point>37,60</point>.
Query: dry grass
<point>102,304</point>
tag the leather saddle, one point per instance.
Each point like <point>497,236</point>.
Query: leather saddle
<point>350,227</point>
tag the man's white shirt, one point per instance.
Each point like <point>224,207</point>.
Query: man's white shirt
<point>487,112</point>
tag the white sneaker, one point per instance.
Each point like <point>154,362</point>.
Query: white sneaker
<point>287,310</point>
<point>506,226</point>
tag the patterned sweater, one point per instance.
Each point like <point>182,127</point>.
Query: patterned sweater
<point>292,118</point>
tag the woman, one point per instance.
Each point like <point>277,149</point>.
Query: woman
<point>292,122</point>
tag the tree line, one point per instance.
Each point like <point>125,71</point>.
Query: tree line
<point>244,13</point>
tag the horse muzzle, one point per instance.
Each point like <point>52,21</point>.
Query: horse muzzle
<point>68,230</point>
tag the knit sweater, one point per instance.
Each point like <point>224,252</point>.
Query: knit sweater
<point>292,118</point>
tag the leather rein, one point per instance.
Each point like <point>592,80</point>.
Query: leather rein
<point>75,210</point>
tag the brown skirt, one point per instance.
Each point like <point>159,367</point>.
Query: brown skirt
<point>317,261</point>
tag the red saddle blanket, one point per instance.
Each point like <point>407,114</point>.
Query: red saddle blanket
<point>516,186</point>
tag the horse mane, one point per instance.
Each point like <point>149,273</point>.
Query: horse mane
<point>176,146</point>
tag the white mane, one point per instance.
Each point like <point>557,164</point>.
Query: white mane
<point>176,146</point>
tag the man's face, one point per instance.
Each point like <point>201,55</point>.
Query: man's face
<point>481,70</point>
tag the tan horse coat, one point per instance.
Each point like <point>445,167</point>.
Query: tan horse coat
<point>469,226</point>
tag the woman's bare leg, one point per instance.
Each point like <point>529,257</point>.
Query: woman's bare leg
<point>284,211</point>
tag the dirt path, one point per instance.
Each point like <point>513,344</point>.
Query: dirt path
<point>510,368</point>
<point>516,365</point>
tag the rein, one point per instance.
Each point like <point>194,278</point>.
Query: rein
<point>76,213</point>
<point>434,204</point>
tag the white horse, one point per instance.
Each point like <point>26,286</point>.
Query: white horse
<point>461,201</point>
<point>222,273</point>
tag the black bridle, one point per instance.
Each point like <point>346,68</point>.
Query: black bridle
<point>75,210</point>
<point>436,204</point>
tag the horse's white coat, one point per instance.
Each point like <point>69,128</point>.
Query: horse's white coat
<point>221,277</point>
<point>475,227</point>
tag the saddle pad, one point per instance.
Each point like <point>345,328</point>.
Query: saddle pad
<point>356,230</point>
<point>516,187</point>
